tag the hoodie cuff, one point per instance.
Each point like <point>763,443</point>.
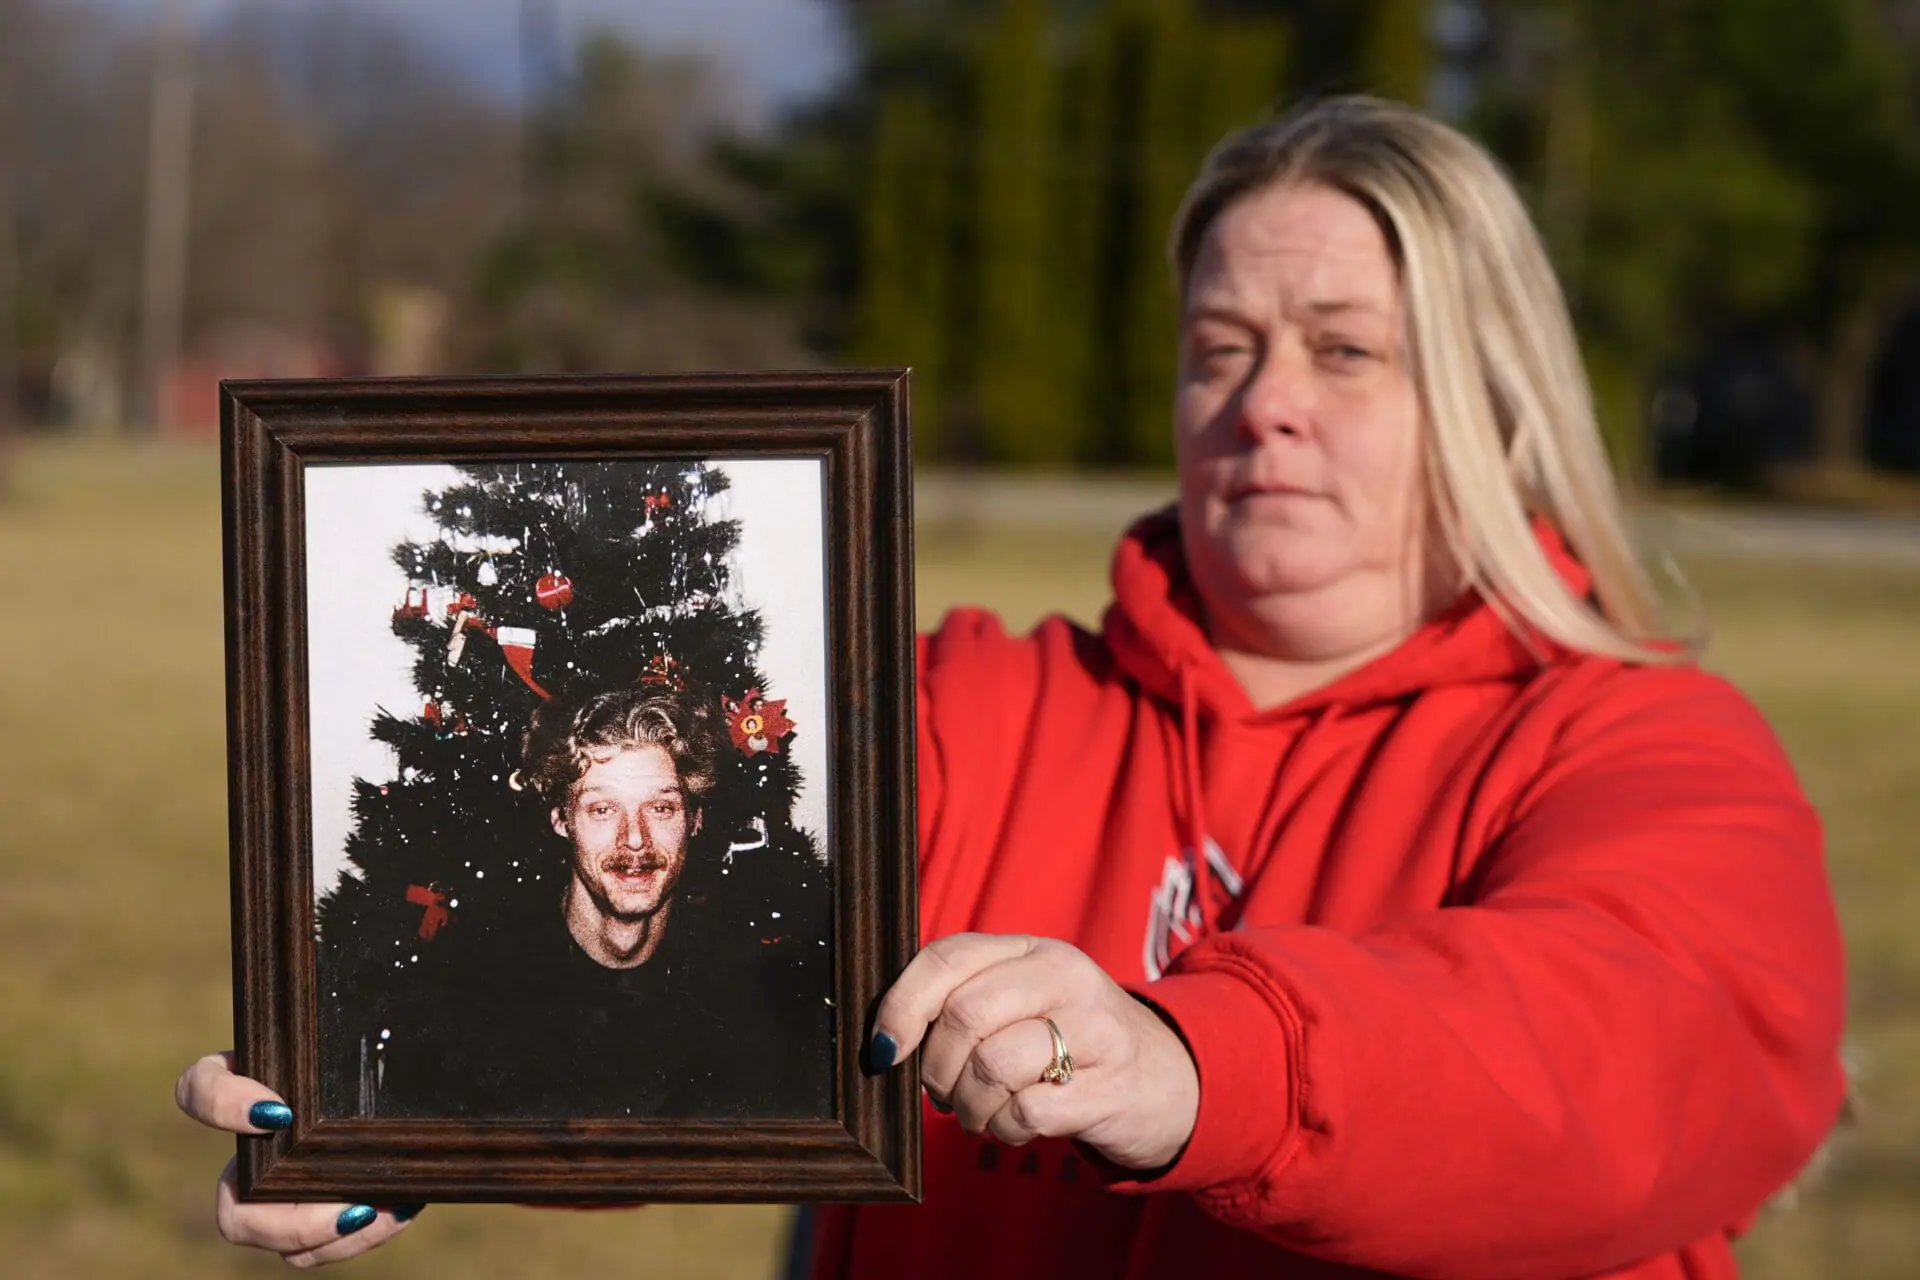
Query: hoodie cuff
<point>1243,1048</point>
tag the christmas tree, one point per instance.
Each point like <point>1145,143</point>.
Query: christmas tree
<point>550,577</point>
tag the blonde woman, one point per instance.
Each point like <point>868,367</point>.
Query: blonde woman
<point>1380,890</point>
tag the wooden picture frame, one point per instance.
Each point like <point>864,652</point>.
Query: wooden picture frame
<point>282,442</point>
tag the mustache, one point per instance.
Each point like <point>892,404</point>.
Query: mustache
<point>631,864</point>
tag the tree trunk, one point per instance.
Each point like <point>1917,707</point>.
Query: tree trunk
<point>1846,368</point>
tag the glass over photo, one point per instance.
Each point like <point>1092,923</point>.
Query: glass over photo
<point>572,856</point>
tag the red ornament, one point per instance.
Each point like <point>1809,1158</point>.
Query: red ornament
<point>755,723</point>
<point>436,913</point>
<point>516,646</point>
<point>446,722</point>
<point>658,501</point>
<point>434,604</point>
<point>554,590</point>
<point>664,672</point>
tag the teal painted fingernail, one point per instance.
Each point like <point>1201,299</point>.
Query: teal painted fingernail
<point>270,1115</point>
<point>352,1220</point>
<point>881,1052</point>
<point>407,1212</point>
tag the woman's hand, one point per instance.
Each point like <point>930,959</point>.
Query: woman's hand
<point>304,1235</point>
<point>976,1005</point>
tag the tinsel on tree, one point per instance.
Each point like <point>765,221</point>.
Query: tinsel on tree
<point>550,577</point>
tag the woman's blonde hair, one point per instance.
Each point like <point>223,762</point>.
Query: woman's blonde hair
<point>1510,420</point>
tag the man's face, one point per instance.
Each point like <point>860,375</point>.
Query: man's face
<point>629,823</point>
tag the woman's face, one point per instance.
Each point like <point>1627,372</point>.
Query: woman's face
<point>1298,423</point>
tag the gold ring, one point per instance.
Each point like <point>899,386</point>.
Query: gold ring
<point>1060,1070</point>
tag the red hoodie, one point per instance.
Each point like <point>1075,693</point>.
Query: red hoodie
<point>1492,964</point>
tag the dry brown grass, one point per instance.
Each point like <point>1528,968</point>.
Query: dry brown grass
<point>113,927</point>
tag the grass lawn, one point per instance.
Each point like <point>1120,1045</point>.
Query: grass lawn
<point>113,891</point>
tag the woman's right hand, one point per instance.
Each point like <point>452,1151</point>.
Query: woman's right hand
<point>304,1235</point>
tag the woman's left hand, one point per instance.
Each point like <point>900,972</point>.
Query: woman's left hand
<point>975,1005</point>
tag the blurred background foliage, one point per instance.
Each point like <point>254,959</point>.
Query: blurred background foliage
<point>1728,186</point>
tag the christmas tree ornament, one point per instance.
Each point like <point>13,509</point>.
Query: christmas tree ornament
<point>435,913</point>
<point>488,575</point>
<point>759,826</point>
<point>457,642</point>
<point>517,645</point>
<point>433,603</point>
<point>553,590</point>
<point>663,671</point>
<point>756,723</point>
<point>446,722</point>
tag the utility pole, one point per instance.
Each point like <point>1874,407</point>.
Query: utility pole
<point>169,173</point>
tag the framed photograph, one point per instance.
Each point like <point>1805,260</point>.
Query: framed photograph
<point>571,782</point>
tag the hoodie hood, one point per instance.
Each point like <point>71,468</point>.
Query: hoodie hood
<point>1155,632</point>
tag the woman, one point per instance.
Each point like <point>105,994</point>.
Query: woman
<point>1380,888</point>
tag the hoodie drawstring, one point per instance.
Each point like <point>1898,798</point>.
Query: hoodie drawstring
<point>1196,806</point>
<point>1217,886</point>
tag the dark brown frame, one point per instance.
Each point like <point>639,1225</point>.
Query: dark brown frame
<point>858,423</point>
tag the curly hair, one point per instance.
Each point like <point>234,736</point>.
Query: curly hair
<point>566,735</point>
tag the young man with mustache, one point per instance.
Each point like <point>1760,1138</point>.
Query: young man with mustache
<point>628,814</point>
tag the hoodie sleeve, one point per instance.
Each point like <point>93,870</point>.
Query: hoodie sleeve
<point>974,685</point>
<point>1626,1037</point>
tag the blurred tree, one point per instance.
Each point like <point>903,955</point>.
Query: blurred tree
<point>338,166</point>
<point>1027,408</point>
<point>906,288</point>
<point>1088,240</point>
<point>1396,58</point>
<point>10,292</point>
<point>75,157</point>
<point>1193,76</point>
<point>584,278</point>
<point>987,196</point>
<point>396,169</point>
<point>1019,169</point>
<point>332,160</point>
<point>1717,168</point>
<point>1833,96</point>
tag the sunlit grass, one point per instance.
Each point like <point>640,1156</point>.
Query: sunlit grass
<point>114,959</point>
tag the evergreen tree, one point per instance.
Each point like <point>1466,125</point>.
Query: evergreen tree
<point>1088,239</point>
<point>904,307</point>
<point>550,578</point>
<point>1396,57</point>
<point>1197,78</point>
<point>1027,409</point>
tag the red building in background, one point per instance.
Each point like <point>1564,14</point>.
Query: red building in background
<point>189,400</point>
